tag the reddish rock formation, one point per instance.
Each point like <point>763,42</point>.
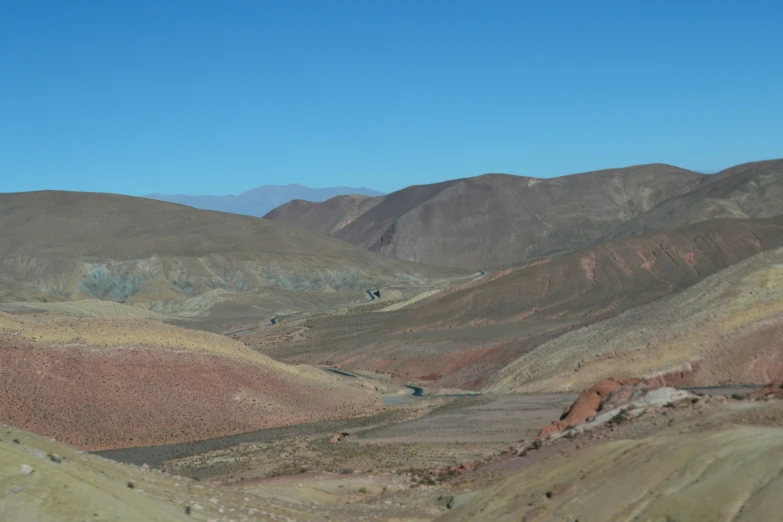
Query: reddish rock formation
<point>605,395</point>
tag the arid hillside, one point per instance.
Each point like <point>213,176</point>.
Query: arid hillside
<point>727,329</point>
<point>69,245</point>
<point>43,480</point>
<point>462,337</point>
<point>607,278</point>
<point>497,219</point>
<point>102,375</point>
<point>751,190</point>
<point>709,474</point>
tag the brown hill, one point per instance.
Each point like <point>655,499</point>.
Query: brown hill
<point>327,217</point>
<point>607,278</point>
<point>69,245</point>
<point>499,219</point>
<point>462,338</point>
<point>751,190</point>
<point>727,329</point>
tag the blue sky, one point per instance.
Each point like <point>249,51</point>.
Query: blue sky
<point>218,97</point>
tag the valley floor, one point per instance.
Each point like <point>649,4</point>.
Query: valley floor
<point>476,470</point>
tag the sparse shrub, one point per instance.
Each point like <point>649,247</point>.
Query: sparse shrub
<point>446,475</point>
<point>621,417</point>
<point>737,397</point>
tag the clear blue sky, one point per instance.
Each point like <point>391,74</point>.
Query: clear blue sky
<point>218,97</point>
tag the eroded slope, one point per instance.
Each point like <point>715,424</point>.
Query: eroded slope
<point>727,329</point>
<point>608,278</point>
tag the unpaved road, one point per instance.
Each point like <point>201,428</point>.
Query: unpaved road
<point>483,418</point>
<point>372,294</point>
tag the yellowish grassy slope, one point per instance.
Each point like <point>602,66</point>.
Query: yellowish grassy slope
<point>733,474</point>
<point>111,325</point>
<point>85,487</point>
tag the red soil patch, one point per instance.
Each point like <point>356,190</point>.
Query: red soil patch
<point>452,369</point>
<point>110,398</point>
<point>590,267</point>
<point>647,264</point>
<point>690,258</point>
<point>448,365</point>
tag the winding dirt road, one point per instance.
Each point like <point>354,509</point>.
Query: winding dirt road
<point>373,294</point>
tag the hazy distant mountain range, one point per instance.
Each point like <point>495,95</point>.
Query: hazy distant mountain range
<point>259,201</point>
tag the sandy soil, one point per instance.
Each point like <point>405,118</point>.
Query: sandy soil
<point>495,419</point>
<point>709,462</point>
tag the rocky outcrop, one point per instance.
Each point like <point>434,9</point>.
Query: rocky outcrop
<point>614,400</point>
<point>589,404</point>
